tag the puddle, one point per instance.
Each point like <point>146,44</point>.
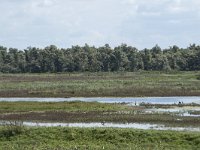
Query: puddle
<point>181,111</point>
<point>143,126</point>
<point>189,115</point>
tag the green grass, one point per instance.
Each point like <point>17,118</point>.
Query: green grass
<point>98,139</point>
<point>100,84</point>
<point>59,106</point>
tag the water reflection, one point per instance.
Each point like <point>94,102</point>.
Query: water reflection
<point>131,100</point>
<point>181,111</point>
<point>144,126</point>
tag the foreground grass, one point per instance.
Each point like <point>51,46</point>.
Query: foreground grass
<point>111,139</point>
<point>100,84</point>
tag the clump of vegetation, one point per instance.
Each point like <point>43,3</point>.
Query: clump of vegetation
<point>198,77</point>
<point>12,128</point>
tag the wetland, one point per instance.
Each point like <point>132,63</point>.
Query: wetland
<point>158,110</point>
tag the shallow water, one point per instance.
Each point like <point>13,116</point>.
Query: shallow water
<point>130,100</point>
<point>186,114</point>
<point>144,126</point>
<point>181,111</point>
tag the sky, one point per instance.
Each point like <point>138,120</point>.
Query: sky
<point>139,23</point>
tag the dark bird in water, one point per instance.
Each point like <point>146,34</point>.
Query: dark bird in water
<point>103,122</point>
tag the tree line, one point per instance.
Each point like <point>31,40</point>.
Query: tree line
<point>93,59</point>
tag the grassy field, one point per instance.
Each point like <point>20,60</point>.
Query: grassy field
<point>89,139</point>
<point>9,107</point>
<point>125,84</point>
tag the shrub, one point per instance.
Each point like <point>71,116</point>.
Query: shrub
<point>12,129</point>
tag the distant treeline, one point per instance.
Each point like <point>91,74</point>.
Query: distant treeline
<point>92,59</point>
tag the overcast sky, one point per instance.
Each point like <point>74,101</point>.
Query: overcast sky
<point>140,23</point>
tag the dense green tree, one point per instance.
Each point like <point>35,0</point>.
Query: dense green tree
<point>105,58</point>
